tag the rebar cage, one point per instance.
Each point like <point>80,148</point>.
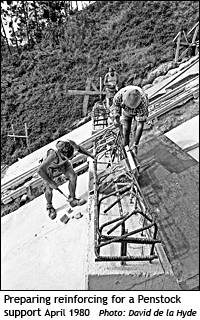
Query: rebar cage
<point>120,210</point>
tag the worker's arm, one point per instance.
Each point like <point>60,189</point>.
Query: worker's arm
<point>60,164</point>
<point>43,170</point>
<point>81,149</point>
<point>116,108</point>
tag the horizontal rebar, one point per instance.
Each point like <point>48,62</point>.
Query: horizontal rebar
<point>129,240</point>
<point>126,258</point>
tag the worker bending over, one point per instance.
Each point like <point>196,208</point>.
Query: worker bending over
<point>132,103</point>
<point>58,162</point>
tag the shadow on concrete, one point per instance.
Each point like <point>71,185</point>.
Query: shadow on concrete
<point>170,182</point>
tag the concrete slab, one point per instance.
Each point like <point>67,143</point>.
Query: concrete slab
<point>186,135</point>
<point>40,254</point>
<point>169,180</point>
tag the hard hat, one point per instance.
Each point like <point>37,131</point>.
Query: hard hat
<point>132,98</point>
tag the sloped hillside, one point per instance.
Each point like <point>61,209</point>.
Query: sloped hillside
<point>134,36</point>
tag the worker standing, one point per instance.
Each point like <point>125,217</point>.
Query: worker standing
<point>111,81</point>
<point>132,103</point>
<point>57,162</point>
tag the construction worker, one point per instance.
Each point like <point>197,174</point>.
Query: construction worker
<point>57,162</point>
<point>111,80</point>
<point>132,103</point>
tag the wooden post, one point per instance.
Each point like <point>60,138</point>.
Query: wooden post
<point>100,88</point>
<point>86,97</point>
<point>195,34</point>
<point>193,28</point>
<point>185,37</point>
<point>26,135</point>
<point>178,46</point>
<point>13,132</point>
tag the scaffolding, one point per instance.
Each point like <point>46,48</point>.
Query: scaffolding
<point>13,135</point>
<point>116,189</point>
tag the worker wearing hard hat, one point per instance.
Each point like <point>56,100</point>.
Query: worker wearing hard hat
<point>132,103</point>
<point>56,163</point>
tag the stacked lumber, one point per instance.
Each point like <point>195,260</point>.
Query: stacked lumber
<point>174,98</point>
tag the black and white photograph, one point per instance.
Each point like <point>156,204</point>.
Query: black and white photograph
<point>99,149</point>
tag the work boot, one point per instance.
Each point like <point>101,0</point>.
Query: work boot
<point>52,211</point>
<point>76,202</point>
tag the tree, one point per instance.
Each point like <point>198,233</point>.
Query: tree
<point>10,16</point>
<point>4,36</point>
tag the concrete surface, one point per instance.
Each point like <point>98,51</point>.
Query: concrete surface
<point>186,135</point>
<point>170,182</point>
<point>194,153</point>
<point>42,254</point>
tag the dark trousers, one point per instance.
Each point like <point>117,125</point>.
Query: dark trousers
<point>137,129</point>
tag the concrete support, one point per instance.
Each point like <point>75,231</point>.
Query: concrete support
<point>112,274</point>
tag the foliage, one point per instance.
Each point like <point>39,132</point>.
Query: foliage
<point>55,48</point>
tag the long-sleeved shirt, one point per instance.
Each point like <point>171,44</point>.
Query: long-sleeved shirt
<point>140,113</point>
